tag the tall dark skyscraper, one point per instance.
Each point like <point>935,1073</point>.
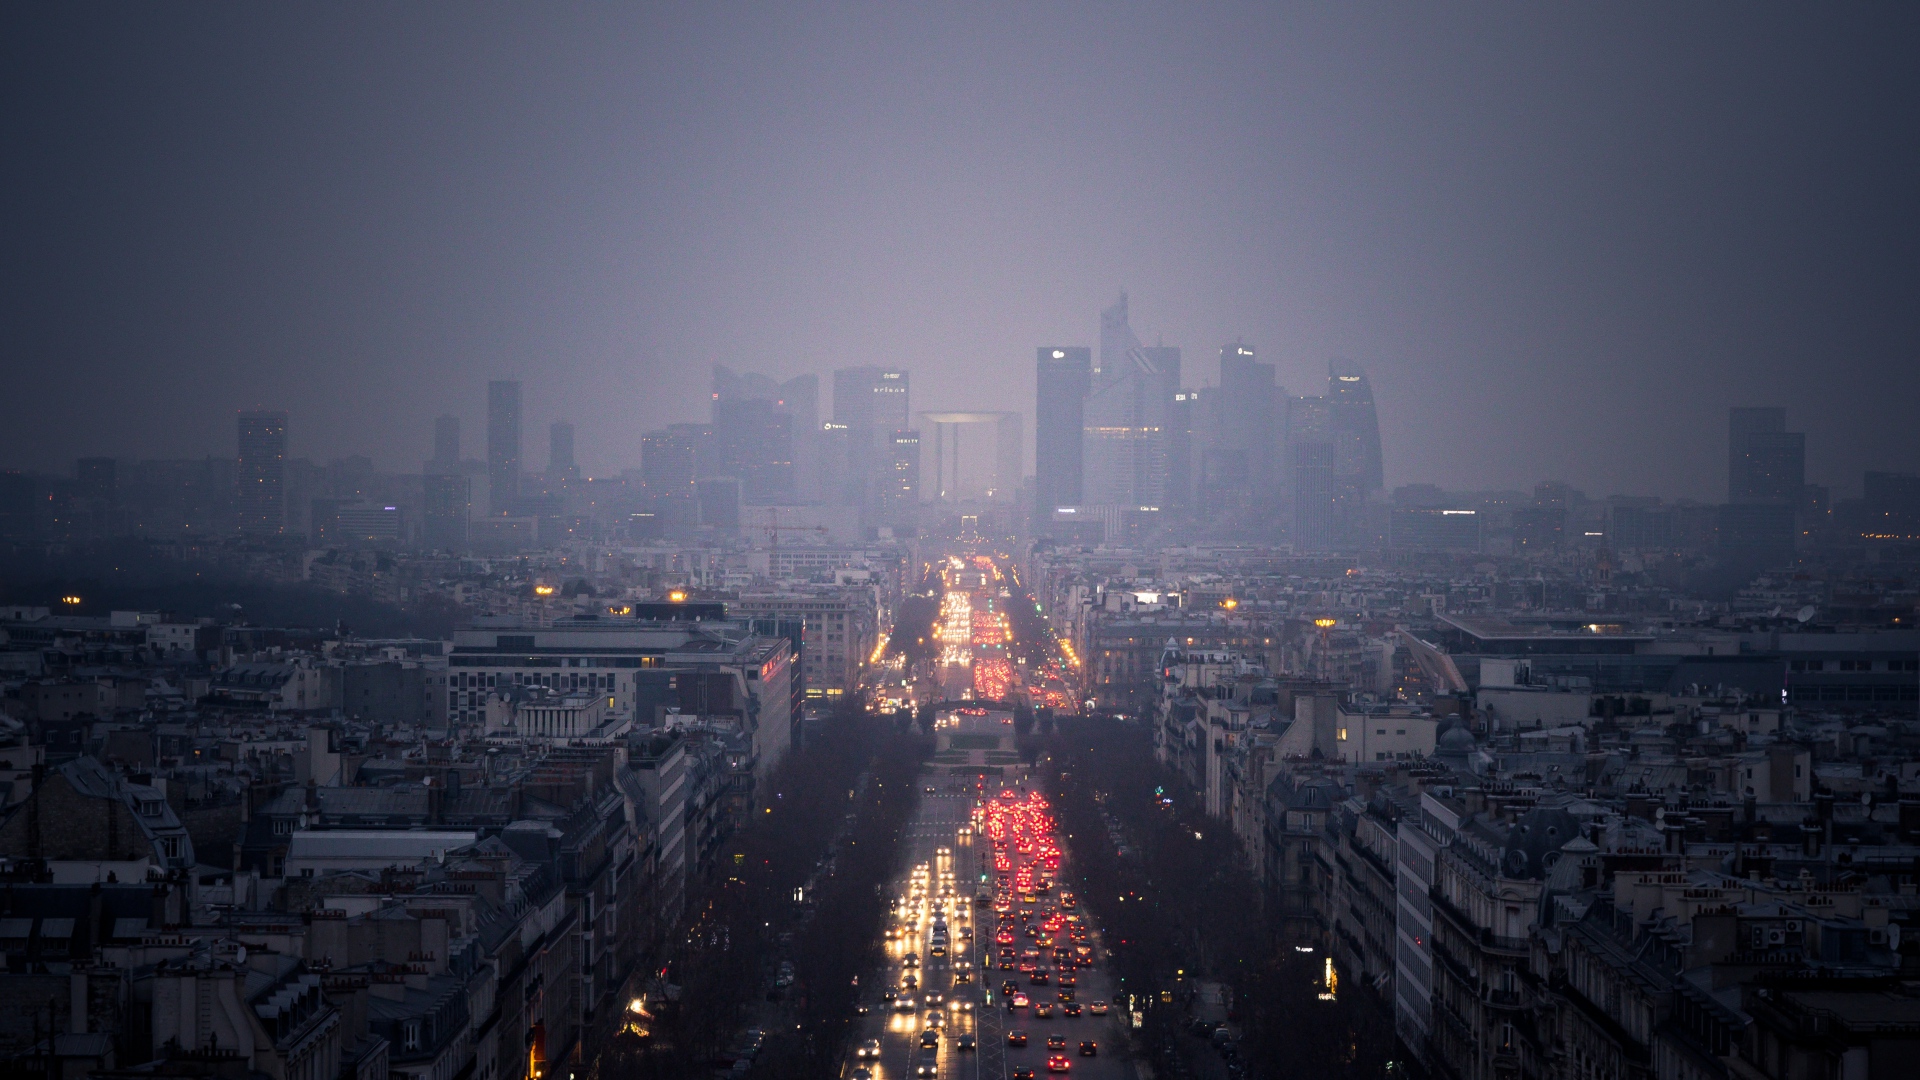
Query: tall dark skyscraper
<point>1310,460</point>
<point>869,405</point>
<point>96,478</point>
<point>503,446</point>
<point>901,495</point>
<point>260,475</point>
<point>1358,473</point>
<point>1239,476</point>
<point>1766,480</point>
<point>1125,439</point>
<point>560,465</point>
<point>448,504</point>
<point>446,441</point>
<point>1765,461</point>
<point>765,434</point>
<point>669,465</point>
<point>871,398</point>
<point>1059,410</point>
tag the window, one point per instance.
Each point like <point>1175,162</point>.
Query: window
<point>410,1035</point>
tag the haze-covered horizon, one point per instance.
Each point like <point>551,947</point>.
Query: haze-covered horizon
<point>1562,243</point>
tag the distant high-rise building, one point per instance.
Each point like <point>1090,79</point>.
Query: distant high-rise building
<point>446,441</point>
<point>1356,429</point>
<point>669,467</point>
<point>1238,472</point>
<point>902,494</point>
<point>560,464</point>
<point>1059,430</point>
<point>869,404</point>
<point>871,399</point>
<point>1766,483</point>
<point>260,474</point>
<point>1310,459</point>
<point>1125,442</point>
<point>503,445</point>
<point>766,434</point>
<point>448,505</point>
<point>1765,462</point>
<point>95,478</point>
<point>1181,459</point>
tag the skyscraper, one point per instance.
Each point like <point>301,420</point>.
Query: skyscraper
<point>1238,468</point>
<point>95,478</point>
<point>446,441</point>
<point>869,405</point>
<point>873,399</point>
<point>560,464</point>
<point>1125,447</point>
<point>260,475</point>
<point>1059,431</point>
<point>1765,462</point>
<point>1358,474</point>
<point>503,445</point>
<point>669,465</point>
<point>1310,460</point>
<point>902,493</point>
<point>448,503</point>
<point>766,434</point>
<point>1766,478</point>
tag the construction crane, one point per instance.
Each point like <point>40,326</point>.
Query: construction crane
<point>774,529</point>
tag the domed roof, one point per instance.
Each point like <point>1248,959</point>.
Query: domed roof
<point>1456,740</point>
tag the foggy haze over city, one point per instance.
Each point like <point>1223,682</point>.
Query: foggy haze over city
<point>1562,242</point>
<point>804,541</point>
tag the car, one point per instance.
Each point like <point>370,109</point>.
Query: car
<point>965,1043</point>
<point>936,1019</point>
<point>862,1009</point>
<point>903,1004</point>
<point>1056,1042</point>
<point>929,1038</point>
<point>911,960</point>
<point>1058,1063</point>
<point>860,1074</point>
<point>1024,1072</point>
<point>1016,1037</point>
<point>1088,1048</point>
<point>1067,978</point>
<point>868,1049</point>
<point>1009,988</point>
<point>1098,1008</point>
<point>1043,1010</point>
<point>1017,1001</point>
<point>935,997</point>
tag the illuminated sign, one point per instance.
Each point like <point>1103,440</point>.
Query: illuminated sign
<point>1059,354</point>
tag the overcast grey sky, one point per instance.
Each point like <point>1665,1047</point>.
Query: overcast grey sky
<point>1563,238</point>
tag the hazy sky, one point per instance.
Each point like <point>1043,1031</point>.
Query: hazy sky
<point>1563,241</point>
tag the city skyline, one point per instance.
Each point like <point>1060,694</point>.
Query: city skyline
<point>1566,269</point>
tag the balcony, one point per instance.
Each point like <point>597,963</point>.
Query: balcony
<point>1486,939</point>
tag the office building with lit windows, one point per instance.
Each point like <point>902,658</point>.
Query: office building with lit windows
<point>260,477</point>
